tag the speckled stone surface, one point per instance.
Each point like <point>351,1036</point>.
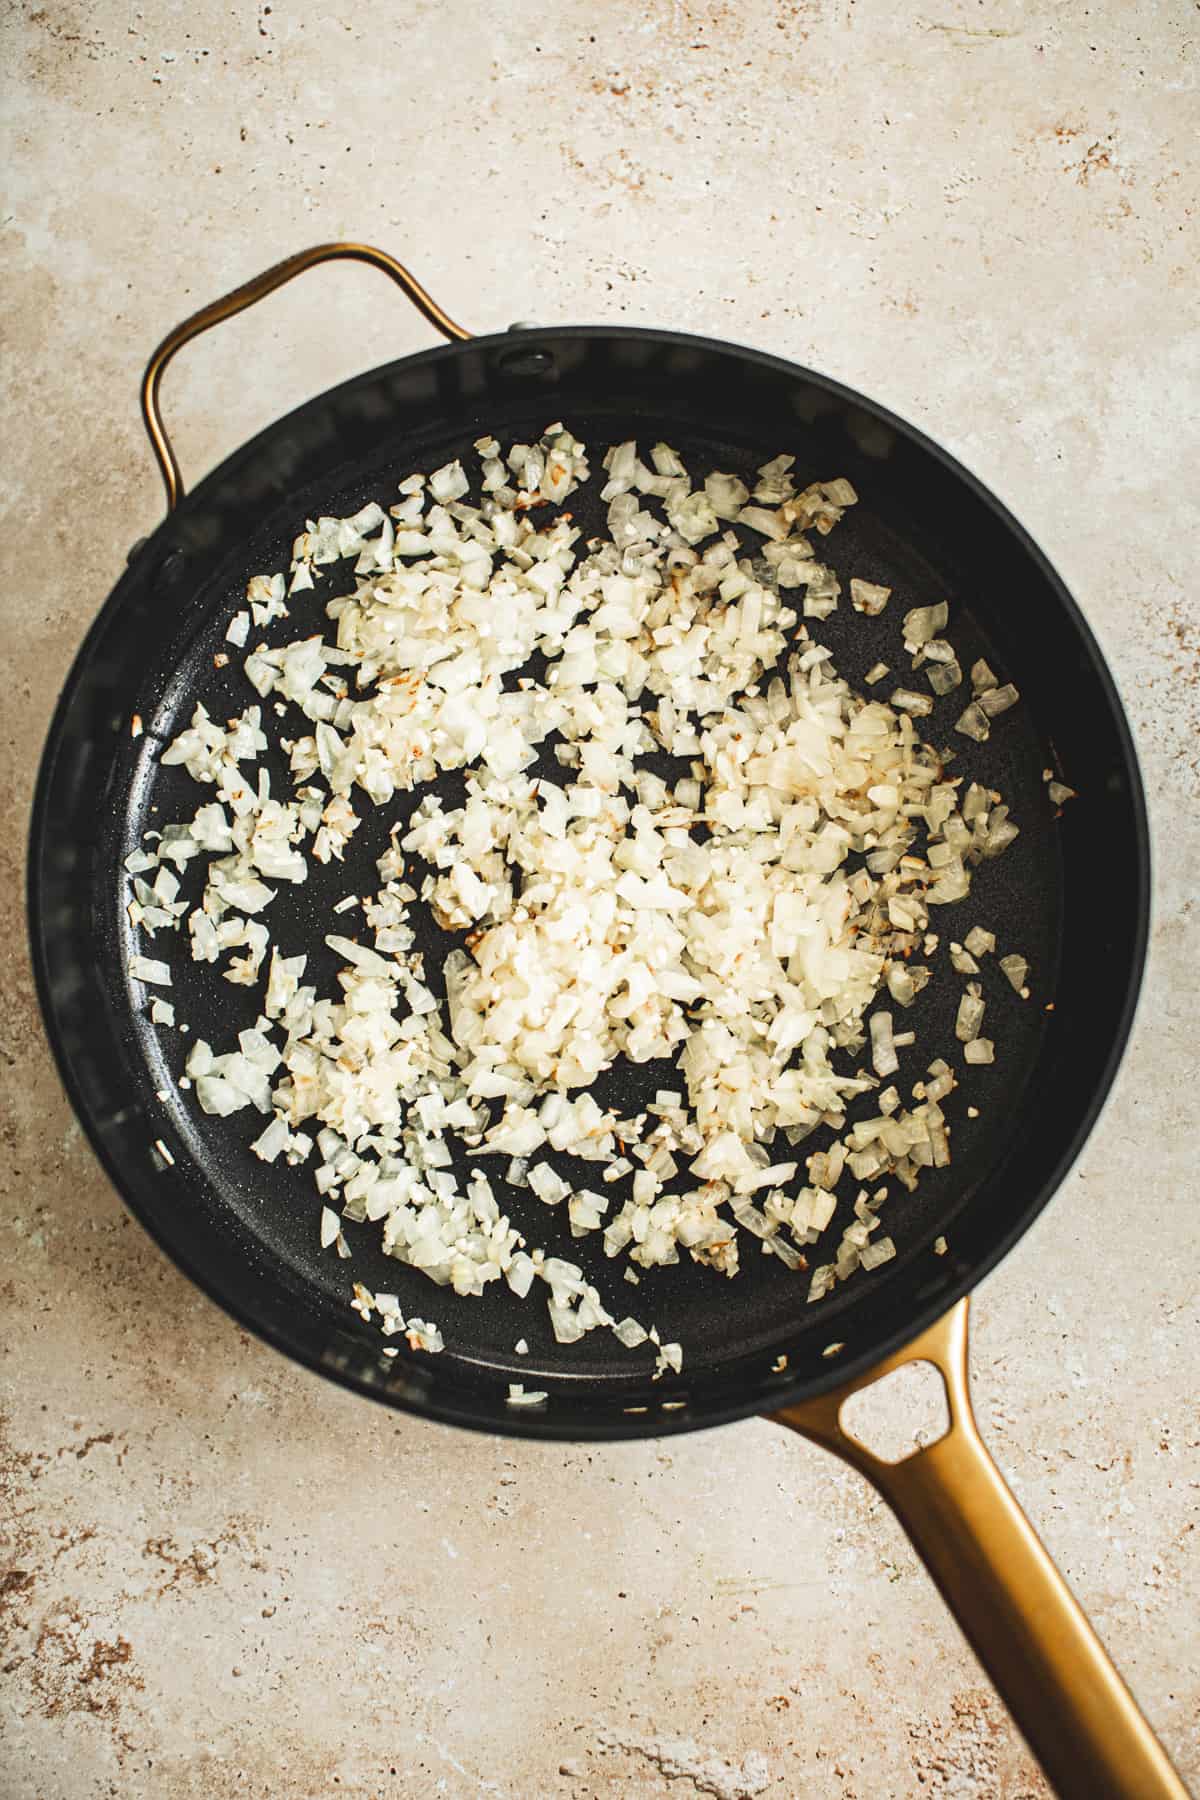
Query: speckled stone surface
<point>220,1576</point>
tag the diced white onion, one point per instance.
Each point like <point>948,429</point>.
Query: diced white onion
<point>595,924</point>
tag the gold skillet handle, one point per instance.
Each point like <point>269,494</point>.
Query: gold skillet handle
<point>237,302</point>
<point>1014,1607</point>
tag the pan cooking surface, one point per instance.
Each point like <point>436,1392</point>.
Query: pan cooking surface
<point>270,1211</point>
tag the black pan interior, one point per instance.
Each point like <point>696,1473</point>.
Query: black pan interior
<point>247,1231</point>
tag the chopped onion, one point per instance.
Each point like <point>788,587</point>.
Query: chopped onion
<point>866,597</point>
<point>970,1014</point>
<point>973,723</point>
<point>909,701</point>
<point>594,924</point>
<point>884,1060</point>
<point>150,970</point>
<point>519,1396</point>
<point>1016,968</point>
<point>924,623</point>
<point>881,1251</point>
<point>996,700</point>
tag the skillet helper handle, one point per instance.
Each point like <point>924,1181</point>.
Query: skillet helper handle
<point>247,295</point>
<point>1014,1607</point>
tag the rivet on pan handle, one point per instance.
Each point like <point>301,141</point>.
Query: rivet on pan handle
<point>247,295</point>
<point>1014,1607</point>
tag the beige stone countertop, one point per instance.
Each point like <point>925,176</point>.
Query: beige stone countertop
<point>221,1576</point>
